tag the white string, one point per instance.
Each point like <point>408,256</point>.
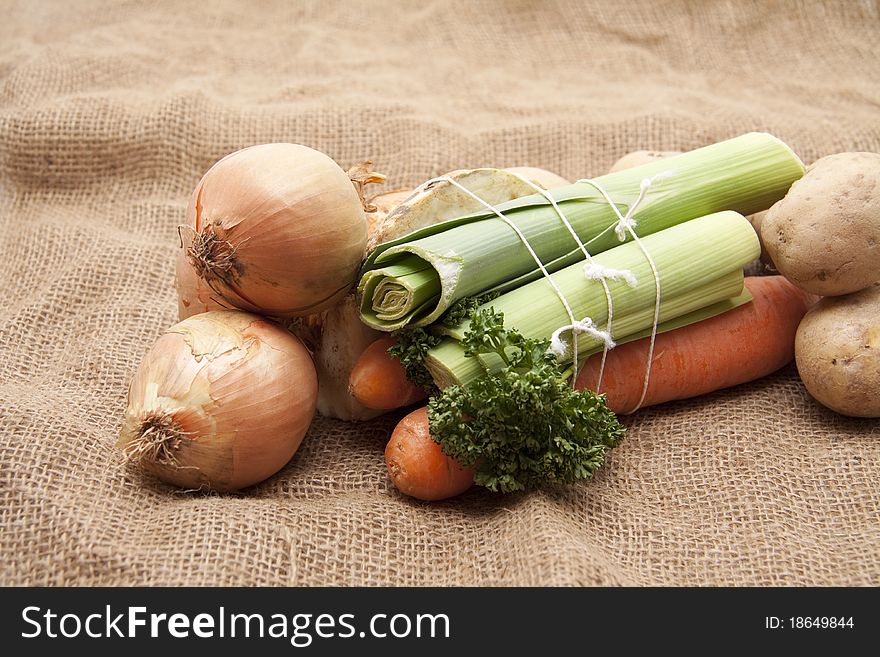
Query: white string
<point>586,325</point>
<point>628,223</point>
<point>597,271</point>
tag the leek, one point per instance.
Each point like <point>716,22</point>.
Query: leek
<point>414,279</point>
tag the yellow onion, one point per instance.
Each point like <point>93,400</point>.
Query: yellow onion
<point>276,229</point>
<point>220,402</point>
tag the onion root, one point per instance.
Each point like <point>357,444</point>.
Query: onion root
<point>157,439</point>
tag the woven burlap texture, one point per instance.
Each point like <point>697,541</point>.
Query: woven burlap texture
<point>109,114</point>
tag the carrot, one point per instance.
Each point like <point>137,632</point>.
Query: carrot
<point>378,380</point>
<point>740,345</point>
<point>418,466</point>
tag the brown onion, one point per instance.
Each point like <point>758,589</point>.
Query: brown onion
<point>277,229</point>
<point>221,401</point>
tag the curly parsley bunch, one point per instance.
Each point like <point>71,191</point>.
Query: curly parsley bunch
<point>522,426</point>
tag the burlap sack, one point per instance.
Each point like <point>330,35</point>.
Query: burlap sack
<point>110,112</point>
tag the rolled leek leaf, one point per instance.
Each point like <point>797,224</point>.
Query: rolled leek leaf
<point>414,279</point>
<point>699,264</point>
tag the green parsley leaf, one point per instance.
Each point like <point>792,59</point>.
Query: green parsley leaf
<point>411,348</point>
<point>464,308</point>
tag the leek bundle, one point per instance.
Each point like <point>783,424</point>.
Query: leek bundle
<point>413,280</point>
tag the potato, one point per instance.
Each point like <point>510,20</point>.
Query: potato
<point>638,158</point>
<point>837,350</point>
<point>824,236</point>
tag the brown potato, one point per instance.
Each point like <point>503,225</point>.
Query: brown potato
<point>837,350</point>
<point>824,236</point>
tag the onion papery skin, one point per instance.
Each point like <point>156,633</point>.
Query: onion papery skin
<point>276,229</point>
<point>220,402</point>
<point>194,296</point>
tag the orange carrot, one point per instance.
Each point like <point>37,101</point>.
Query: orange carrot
<point>740,345</point>
<point>378,380</point>
<point>418,466</point>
